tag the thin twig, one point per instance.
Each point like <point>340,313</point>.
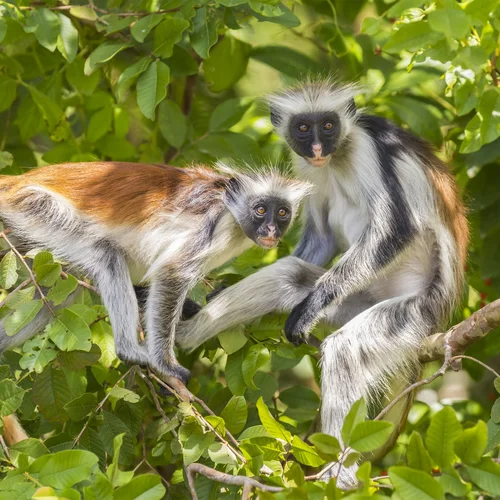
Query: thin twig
<point>184,395</point>
<point>222,477</point>
<point>5,448</point>
<point>30,272</point>
<point>83,284</point>
<point>484,365</point>
<point>19,287</point>
<point>448,358</point>
<point>99,406</point>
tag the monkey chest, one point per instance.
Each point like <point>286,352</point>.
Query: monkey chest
<point>347,221</point>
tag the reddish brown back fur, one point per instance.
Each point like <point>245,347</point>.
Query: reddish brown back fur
<point>119,193</point>
<point>451,209</point>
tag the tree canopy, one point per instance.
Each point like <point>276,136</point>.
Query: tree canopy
<point>180,82</point>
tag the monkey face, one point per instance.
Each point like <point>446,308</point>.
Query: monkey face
<point>268,220</point>
<point>314,136</point>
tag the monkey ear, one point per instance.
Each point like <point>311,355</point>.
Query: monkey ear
<point>275,116</point>
<point>351,108</point>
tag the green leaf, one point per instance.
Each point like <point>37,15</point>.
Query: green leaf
<point>416,454</point>
<point>274,428</point>
<point>356,414</point>
<point>77,360</point>
<point>235,414</point>
<point>37,354</point>
<point>300,397</point>
<point>8,270</point>
<point>234,374</point>
<point>143,487</point>
<point>130,75</point>
<point>8,92</point>
<point>305,454</point>
<point>11,397</point>
<point>195,445</point>
<point>256,357</point>
<point>31,446</point>
<point>413,484</point>
<point>486,475</point>
<point>47,274</point>
<point>64,468</point>
<point>204,33</point>
<point>22,316</point>
<point>441,435</point>
<point>167,34</point>
<point>100,489</point>
<point>6,159</point>
<point>229,113</point>
<point>69,330</point>
<point>104,53</point>
<point>227,63</point>
<point>232,341</point>
<point>152,88</point>
<point>471,444</point>
<point>370,435</point>
<point>286,60</point>
<point>52,114</point>
<point>78,80</point>
<point>465,98</point>
<point>172,123</point>
<point>3,29</point>
<point>412,37</point>
<point>20,297</point>
<point>82,12</point>
<point>67,41</point>
<point>115,475</point>
<point>125,394</point>
<point>62,289</point>
<point>325,444</point>
<point>452,483</point>
<point>46,26</point>
<point>489,110</point>
<point>141,29</point>
<point>454,23</point>
<point>117,148</point>
<point>51,392</point>
<point>79,408</point>
<point>480,10</point>
<point>99,124</point>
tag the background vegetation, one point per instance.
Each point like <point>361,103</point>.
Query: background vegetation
<point>178,81</point>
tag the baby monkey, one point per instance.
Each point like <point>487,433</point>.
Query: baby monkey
<point>121,223</point>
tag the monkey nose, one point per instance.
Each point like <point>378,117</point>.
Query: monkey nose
<point>271,228</point>
<point>317,150</point>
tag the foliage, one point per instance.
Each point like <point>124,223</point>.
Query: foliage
<point>176,81</point>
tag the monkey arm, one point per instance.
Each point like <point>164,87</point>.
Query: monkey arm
<point>375,250</point>
<point>317,243</point>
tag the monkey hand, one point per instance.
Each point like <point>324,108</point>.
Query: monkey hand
<point>297,325</point>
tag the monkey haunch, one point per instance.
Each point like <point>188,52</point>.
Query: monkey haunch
<point>169,226</point>
<point>390,205</point>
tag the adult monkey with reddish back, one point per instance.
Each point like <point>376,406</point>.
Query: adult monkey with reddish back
<point>163,225</point>
<point>391,206</point>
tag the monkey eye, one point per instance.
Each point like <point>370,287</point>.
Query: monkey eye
<point>283,212</point>
<point>260,210</point>
<point>328,126</point>
<point>303,127</point>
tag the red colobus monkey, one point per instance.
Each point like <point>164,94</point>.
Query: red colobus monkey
<point>391,206</point>
<point>164,225</point>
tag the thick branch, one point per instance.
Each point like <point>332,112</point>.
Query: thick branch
<point>221,477</point>
<point>463,335</point>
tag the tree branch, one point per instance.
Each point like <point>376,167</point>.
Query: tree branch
<point>221,477</point>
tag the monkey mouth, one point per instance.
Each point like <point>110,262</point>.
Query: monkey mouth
<point>319,162</point>
<point>268,242</point>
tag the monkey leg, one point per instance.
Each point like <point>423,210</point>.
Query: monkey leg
<point>108,269</point>
<point>359,359</point>
<point>163,311</point>
<point>277,287</point>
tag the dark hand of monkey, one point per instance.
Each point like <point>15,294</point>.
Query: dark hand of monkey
<point>295,330</point>
<point>215,292</point>
<point>189,309</point>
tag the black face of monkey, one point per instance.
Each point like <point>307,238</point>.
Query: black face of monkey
<point>314,136</point>
<point>267,221</point>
